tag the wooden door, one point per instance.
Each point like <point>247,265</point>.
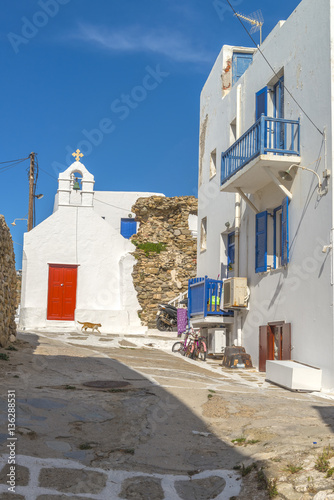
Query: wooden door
<point>62,292</point>
<point>274,343</point>
<point>263,341</point>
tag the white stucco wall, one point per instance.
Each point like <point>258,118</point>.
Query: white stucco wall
<point>301,293</point>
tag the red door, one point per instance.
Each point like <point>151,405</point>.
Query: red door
<point>62,292</point>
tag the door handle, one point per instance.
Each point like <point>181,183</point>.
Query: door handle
<point>62,284</point>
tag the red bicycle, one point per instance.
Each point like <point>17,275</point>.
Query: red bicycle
<point>193,345</point>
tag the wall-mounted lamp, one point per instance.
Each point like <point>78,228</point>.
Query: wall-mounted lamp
<point>286,176</point>
<point>13,223</point>
<point>326,248</point>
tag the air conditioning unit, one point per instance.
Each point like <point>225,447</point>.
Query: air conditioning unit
<point>235,293</point>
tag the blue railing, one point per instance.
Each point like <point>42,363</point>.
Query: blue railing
<point>204,298</point>
<point>267,135</point>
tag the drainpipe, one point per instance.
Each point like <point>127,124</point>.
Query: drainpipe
<point>237,196</point>
<point>237,220</point>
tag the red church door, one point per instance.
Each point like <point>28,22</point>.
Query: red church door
<point>62,292</point>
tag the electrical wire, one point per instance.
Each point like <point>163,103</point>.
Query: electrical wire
<point>275,73</point>
<point>8,167</point>
<point>47,173</point>
<point>11,161</point>
<point>110,205</point>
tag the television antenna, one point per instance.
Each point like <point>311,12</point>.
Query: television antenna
<point>255,19</point>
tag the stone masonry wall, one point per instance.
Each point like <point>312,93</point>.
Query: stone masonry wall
<point>8,285</point>
<point>160,277</point>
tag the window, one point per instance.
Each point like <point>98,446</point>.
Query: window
<point>213,169</point>
<point>240,62</point>
<point>203,234</point>
<point>128,227</point>
<point>276,226</point>
<point>230,254</point>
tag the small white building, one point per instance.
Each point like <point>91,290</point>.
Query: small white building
<point>263,112</point>
<point>77,263</point>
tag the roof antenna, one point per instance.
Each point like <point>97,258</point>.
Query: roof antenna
<point>256,19</point>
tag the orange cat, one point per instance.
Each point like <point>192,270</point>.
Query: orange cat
<point>93,326</point>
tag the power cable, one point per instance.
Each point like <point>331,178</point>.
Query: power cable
<point>11,161</point>
<point>275,73</point>
<point>8,167</point>
<point>114,206</point>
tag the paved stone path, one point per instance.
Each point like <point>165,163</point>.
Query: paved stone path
<point>176,428</point>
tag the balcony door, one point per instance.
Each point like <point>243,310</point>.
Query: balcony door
<point>279,112</point>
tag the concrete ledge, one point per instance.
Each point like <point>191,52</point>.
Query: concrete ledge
<point>293,375</point>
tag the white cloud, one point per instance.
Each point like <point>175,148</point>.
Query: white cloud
<point>172,45</point>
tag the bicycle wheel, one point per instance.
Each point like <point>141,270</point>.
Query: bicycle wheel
<point>178,347</point>
<point>202,351</point>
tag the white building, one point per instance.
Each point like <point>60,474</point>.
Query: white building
<point>277,233</point>
<point>77,264</point>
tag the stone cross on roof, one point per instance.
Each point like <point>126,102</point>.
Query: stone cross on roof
<point>77,155</point>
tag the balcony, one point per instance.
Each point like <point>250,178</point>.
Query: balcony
<point>204,299</point>
<point>271,142</point>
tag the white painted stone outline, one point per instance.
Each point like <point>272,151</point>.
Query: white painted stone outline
<point>114,479</point>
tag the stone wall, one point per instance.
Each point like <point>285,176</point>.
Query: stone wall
<point>8,284</point>
<point>160,277</point>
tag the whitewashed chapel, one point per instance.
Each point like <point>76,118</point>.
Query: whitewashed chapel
<point>77,263</point>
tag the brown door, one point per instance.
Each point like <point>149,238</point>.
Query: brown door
<point>274,343</point>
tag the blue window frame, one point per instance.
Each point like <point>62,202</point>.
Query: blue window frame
<point>240,62</point>
<point>285,233</point>
<point>261,103</point>
<point>261,242</point>
<point>279,98</point>
<point>280,246</point>
<point>230,253</point>
<point>128,227</point>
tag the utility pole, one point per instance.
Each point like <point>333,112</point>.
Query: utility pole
<point>31,191</point>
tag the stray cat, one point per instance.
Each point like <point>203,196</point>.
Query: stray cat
<point>93,326</point>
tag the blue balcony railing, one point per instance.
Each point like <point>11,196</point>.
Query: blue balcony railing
<point>267,135</point>
<point>205,297</point>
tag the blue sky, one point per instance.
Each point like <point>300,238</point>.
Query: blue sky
<point>121,80</point>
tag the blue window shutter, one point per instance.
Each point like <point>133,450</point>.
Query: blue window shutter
<point>128,227</point>
<point>285,232</point>
<point>261,103</point>
<point>240,62</point>
<point>261,242</point>
<point>231,248</point>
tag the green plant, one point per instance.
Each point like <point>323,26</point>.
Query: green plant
<point>210,390</point>
<point>330,472</point>
<point>150,247</point>
<point>70,387</point>
<point>322,462</point>
<point>245,470</point>
<point>293,469</point>
<point>240,440</point>
<point>4,356</point>
<point>252,441</point>
<point>261,480</point>
<point>11,348</point>
<point>85,446</point>
<point>210,396</point>
<point>272,488</point>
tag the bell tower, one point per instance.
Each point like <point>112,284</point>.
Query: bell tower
<point>70,192</point>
